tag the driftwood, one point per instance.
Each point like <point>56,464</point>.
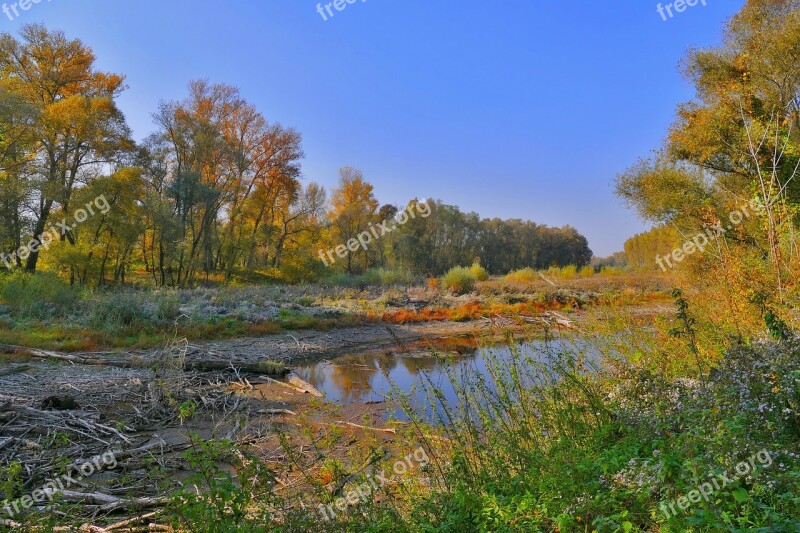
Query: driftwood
<point>114,360</point>
<point>128,522</point>
<point>297,385</point>
<point>105,502</point>
<point>551,318</point>
<point>276,412</point>
<point>73,419</point>
<point>308,388</point>
<point>393,431</point>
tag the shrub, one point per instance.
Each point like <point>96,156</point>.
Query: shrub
<point>567,272</point>
<point>117,309</point>
<point>586,272</point>
<point>374,277</point>
<point>341,279</point>
<point>479,272</point>
<point>370,278</point>
<point>168,307</point>
<point>40,295</point>
<point>526,275</point>
<point>459,280</point>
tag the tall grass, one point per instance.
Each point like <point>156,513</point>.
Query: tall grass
<point>374,277</point>
<point>556,443</point>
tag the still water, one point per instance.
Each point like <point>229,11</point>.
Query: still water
<point>369,377</point>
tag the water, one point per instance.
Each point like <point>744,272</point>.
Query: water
<point>368,377</point>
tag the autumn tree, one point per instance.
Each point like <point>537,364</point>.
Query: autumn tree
<point>76,125</point>
<point>228,176</point>
<point>353,208</point>
<point>17,140</point>
<point>736,144</point>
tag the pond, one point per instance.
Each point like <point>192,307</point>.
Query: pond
<point>371,377</point>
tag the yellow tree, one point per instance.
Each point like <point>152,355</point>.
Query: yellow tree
<point>353,207</point>
<point>78,127</point>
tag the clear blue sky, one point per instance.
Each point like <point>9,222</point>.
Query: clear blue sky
<point>514,109</point>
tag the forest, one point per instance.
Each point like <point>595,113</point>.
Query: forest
<point>216,191</point>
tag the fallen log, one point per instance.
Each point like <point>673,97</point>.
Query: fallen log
<point>393,431</point>
<point>308,388</point>
<point>276,412</point>
<point>106,503</point>
<point>129,521</point>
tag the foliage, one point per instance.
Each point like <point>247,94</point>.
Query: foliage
<point>642,250</point>
<point>525,275</point>
<point>168,307</point>
<point>629,442</point>
<point>41,295</point>
<point>118,310</point>
<point>216,501</point>
<point>729,168</point>
<point>478,272</point>
<point>374,277</point>
<point>459,280</point>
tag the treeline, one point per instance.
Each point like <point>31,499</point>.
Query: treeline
<point>449,237</point>
<point>642,249</point>
<point>214,191</point>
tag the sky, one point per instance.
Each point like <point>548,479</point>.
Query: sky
<point>515,109</point>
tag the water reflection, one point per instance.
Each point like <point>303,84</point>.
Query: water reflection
<point>368,377</point>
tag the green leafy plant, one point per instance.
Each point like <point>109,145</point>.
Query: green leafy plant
<point>459,280</point>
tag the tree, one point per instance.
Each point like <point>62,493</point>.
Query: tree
<point>353,208</point>
<point>229,176</point>
<point>78,127</point>
<point>736,144</point>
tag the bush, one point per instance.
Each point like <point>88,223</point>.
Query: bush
<point>40,295</point>
<point>526,275</point>
<point>479,272</point>
<point>118,309</point>
<point>567,272</point>
<point>459,280</point>
<point>374,277</point>
<point>168,307</point>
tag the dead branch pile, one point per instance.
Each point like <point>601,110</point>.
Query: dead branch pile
<point>59,414</point>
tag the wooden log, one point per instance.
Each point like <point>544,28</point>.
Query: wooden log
<point>308,388</point>
<point>393,431</point>
<point>276,412</point>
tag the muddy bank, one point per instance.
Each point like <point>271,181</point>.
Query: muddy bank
<point>301,346</point>
<point>145,420</point>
